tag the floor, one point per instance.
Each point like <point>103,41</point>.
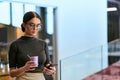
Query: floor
<point>110,73</point>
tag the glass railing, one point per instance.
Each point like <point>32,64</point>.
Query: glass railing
<point>84,64</point>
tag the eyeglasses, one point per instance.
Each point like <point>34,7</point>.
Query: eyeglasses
<point>34,26</point>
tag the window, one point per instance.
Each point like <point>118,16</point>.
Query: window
<point>17,14</point>
<point>29,7</point>
<point>50,19</point>
<point>5,12</point>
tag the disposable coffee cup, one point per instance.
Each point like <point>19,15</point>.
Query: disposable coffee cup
<point>34,59</point>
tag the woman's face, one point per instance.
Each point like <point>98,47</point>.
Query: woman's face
<point>32,27</point>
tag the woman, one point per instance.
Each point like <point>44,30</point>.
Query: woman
<point>20,51</point>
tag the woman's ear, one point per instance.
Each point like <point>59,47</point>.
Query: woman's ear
<point>23,27</point>
<point>23,24</point>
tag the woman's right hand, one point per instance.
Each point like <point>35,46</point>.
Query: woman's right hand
<point>29,66</point>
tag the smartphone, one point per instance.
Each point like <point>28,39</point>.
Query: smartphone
<point>50,65</point>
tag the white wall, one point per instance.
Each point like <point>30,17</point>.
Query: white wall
<point>81,25</point>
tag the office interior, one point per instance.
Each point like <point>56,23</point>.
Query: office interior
<point>82,36</point>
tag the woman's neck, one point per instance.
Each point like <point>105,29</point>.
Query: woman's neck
<point>29,35</point>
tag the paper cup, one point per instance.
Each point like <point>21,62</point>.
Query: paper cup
<point>35,59</point>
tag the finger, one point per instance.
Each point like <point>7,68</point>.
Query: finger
<point>30,62</point>
<point>31,69</point>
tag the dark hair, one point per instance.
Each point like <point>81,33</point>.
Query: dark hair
<point>28,16</point>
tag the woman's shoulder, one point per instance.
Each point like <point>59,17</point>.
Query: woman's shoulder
<point>42,41</point>
<point>15,41</point>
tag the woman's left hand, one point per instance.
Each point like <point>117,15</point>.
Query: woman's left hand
<point>50,71</point>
